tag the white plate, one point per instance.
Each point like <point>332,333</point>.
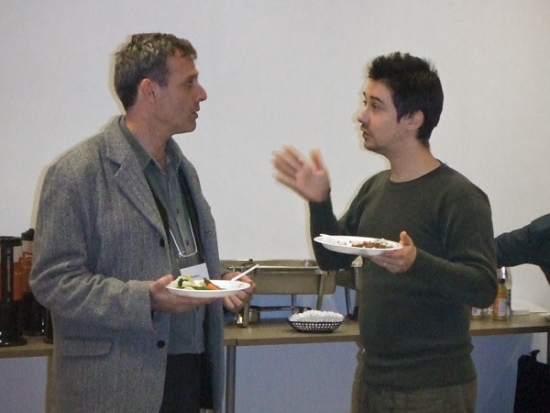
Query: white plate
<point>228,288</point>
<point>343,244</point>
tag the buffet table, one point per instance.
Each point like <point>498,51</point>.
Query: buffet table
<point>35,347</point>
<point>277,331</point>
<point>272,332</point>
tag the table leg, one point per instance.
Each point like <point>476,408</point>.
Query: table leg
<point>230,366</point>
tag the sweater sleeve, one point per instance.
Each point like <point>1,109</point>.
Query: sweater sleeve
<point>466,272</point>
<point>323,221</point>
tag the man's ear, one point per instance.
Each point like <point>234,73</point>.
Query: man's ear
<point>148,89</point>
<point>416,120</point>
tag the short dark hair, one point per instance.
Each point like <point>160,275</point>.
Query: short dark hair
<point>414,85</point>
<point>145,56</point>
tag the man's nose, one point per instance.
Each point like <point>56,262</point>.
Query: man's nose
<point>202,94</point>
<point>362,116</point>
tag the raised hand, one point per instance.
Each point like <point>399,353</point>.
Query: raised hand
<point>309,178</point>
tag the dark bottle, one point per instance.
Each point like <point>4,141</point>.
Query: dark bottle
<point>33,313</point>
<point>11,328</point>
<point>48,328</point>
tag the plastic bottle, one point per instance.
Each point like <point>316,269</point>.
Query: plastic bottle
<point>508,276</point>
<point>500,305</point>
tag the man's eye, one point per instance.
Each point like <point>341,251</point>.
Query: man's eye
<point>191,82</point>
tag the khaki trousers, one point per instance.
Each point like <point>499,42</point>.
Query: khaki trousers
<point>453,399</point>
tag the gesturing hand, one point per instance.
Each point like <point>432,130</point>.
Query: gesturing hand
<point>308,178</point>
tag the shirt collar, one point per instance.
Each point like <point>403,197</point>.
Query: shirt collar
<point>144,158</point>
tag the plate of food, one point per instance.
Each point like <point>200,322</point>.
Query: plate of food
<point>187,286</point>
<point>364,246</point>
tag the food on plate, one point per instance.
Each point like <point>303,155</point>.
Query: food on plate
<point>359,242</point>
<point>379,243</point>
<point>186,282</point>
<point>210,285</point>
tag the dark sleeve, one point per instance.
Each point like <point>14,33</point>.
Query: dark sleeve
<point>512,248</point>
<point>467,271</point>
<point>323,221</point>
<point>527,245</point>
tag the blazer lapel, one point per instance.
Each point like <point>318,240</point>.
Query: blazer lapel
<point>136,189</point>
<point>130,177</point>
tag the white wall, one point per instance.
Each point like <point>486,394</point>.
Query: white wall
<point>281,72</point>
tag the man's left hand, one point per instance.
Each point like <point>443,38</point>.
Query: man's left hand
<point>235,302</point>
<point>398,261</point>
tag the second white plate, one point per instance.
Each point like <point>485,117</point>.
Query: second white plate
<point>344,244</point>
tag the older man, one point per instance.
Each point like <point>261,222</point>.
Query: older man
<point>120,216</point>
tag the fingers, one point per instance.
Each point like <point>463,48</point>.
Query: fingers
<point>161,284</point>
<point>229,275</point>
<point>389,263</point>
<point>398,261</point>
<point>380,260</point>
<point>236,302</point>
<point>289,164</point>
<point>288,161</point>
<point>285,179</point>
<point>317,160</point>
<point>294,158</point>
<point>405,240</point>
<point>165,280</point>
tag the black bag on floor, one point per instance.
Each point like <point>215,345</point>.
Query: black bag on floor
<point>532,385</point>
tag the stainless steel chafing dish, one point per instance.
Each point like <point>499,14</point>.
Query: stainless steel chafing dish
<point>350,279</point>
<point>285,276</point>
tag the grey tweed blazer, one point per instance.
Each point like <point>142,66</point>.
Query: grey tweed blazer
<point>99,242</point>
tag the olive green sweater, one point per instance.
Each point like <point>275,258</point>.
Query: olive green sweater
<point>415,326</point>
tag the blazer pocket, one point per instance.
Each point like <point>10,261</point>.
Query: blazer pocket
<point>85,347</point>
